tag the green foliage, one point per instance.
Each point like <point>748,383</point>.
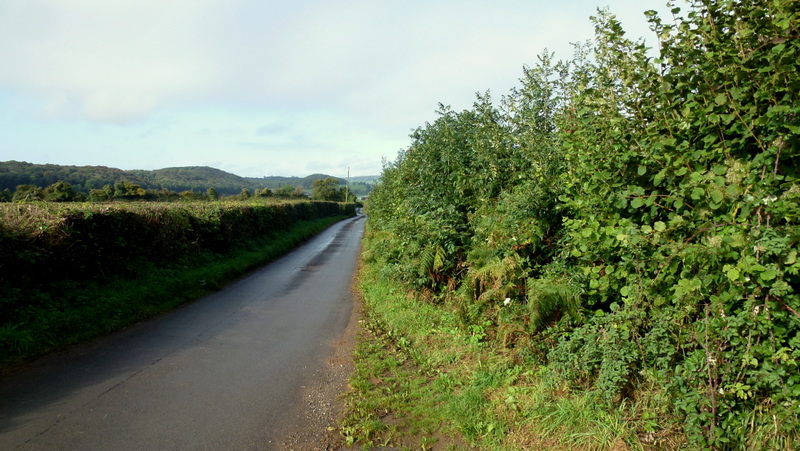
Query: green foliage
<point>27,193</point>
<point>85,178</point>
<point>104,194</point>
<point>61,192</point>
<point>326,189</point>
<point>47,245</point>
<point>129,191</point>
<point>289,192</point>
<point>644,211</point>
<point>420,378</point>
<point>36,318</point>
<point>160,184</point>
<point>551,300</point>
<point>266,192</point>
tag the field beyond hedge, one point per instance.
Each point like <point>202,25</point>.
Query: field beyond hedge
<point>74,271</point>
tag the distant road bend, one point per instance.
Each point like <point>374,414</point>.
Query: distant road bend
<point>222,373</point>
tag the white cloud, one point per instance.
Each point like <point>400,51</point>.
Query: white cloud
<point>120,60</point>
<point>110,61</point>
<point>270,85</point>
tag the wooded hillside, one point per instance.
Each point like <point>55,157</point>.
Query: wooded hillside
<point>190,178</point>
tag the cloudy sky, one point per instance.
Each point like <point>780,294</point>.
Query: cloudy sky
<point>263,87</point>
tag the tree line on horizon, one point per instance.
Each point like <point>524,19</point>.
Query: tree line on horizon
<point>21,181</point>
<point>322,189</point>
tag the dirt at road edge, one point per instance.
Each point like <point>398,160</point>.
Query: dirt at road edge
<point>323,397</point>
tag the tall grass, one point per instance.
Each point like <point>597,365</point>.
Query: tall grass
<point>424,380</point>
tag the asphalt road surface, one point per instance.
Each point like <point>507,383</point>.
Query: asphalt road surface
<point>223,373</point>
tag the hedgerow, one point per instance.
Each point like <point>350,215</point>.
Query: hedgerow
<point>50,251</point>
<point>46,241</point>
<point>643,209</point>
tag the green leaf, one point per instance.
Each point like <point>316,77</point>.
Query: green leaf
<point>698,193</point>
<point>659,226</point>
<point>716,196</point>
<point>642,170</point>
<point>768,275</point>
<point>733,274</point>
<point>733,190</point>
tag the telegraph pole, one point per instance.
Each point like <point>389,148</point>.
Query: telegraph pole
<point>347,186</point>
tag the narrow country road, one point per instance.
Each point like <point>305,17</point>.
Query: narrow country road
<point>223,373</point>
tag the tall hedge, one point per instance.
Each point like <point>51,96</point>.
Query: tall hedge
<point>45,242</point>
<point>631,222</point>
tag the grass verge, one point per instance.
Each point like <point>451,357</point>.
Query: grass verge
<point>75,311</point>
<point>423,382</point>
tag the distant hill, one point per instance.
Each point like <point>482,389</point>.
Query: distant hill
<point>368,179</point>
<point>190,178</point>
<point>279,182</point>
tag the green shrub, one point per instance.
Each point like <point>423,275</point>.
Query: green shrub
<point>644,211</point>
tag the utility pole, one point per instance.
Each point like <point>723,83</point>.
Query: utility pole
<point>347,186</point>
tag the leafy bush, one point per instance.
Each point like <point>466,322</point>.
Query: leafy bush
<point>645,210</point>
